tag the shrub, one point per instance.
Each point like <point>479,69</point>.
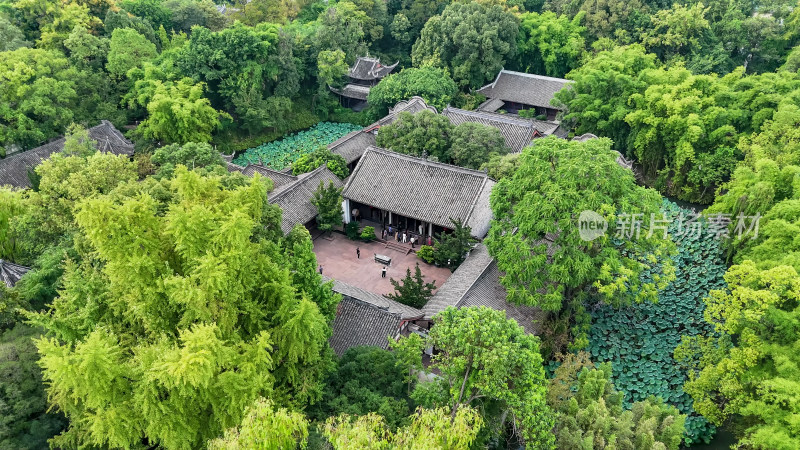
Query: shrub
<point>351,230</point>
<point>425,253</point>
<point>368,234</point>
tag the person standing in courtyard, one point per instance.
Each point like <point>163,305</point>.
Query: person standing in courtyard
<point>404,237</point>
<point>383,272</point>
<point>320,269</point>
<point>412,241</point>
<point>358,252</point>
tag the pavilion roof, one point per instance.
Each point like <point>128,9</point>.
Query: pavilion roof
<point>424,190</point>
<point>413,105</point>
<point>360,323</point>
<point>10,273</point>
<point>352,145</point>
<point>353,91</point>
<point>367,68</point>
<point>295,198</point>
<point>379,301</point>
<point>279,179</point>
<point>517,131</point>
<point>14,168</point>
<point>524,88</point>
<point>476,282</point>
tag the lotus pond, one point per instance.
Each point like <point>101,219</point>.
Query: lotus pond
<point>282,153</point>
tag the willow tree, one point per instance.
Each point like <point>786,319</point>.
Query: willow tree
<point>182,317</point>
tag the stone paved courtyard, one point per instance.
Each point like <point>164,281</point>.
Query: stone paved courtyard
<point>338,260</point>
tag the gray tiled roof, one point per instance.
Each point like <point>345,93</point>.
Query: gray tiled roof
<point>476,282</point>
<point>404,311</point>
<point>352,145</point>
<point>421,189</point>
<point>353,91</point>
<point>234,167</point>
<point>14,168</point>
<point>279,179</point>
<point>10,273</point>
<point>413,105</point>
<point>491,105</point>
<point>295,199</point>
<point>517,131</point>
<point>367,68</point>
<point>359,323</point>
<point>525,88</point>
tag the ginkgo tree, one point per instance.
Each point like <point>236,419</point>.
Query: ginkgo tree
<point>179,316</point>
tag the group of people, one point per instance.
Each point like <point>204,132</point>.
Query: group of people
<point>400,236</point>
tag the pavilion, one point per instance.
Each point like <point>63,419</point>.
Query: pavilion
<point>10,273</point>
<point>364,74</point>
<point>14,168</point>
<point>516,91</point>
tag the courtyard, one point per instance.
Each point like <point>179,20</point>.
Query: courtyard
<point>337,256</point>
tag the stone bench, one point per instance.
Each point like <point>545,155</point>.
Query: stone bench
<point>383,259</point>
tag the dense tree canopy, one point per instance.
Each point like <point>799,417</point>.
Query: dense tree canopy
<point>471,39</point>
<point>210,236</point>
<point>432,84</point>
<point>535,234</point>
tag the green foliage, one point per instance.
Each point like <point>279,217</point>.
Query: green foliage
<point>41,87</point>
<point>750,372</point>
<point>128,49</point>
<point>639,340</point>
<point>598,100</point>
<point>429,430</point>
<point>472,40</point>
<point>451,248</point>
<point>265,428</point>
<point>352,230</point>
<point>474,144</point>
<point>415,134</point>
<point>412,290</point>
<point>366,380</point>
<point>328,201</point>
<point>191,155</point>
<point>181,318</point>
<point>426,253</point>
<point>591,416</point>
<point>501,166</point>
<point>24,420</point>
<point>321,156</point>
<point>280,154</point>
<point>368,234</point>
<point>179,113</point>
<point>535,234</point>
<point>513,387</point>
<point>432,84</point>
<point>11,37</point>
<point>549,44</point>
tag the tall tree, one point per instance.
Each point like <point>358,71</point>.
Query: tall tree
<point>179,113</point>
<point>265,427</point>
<point>590,413</point>
<point>436,428</point>
<point>536,238</point>
<point>412,290</point>
<point>750,372</point>
<point>474,144</point>
<point>469,341</point>
<point>416,134</point>
<point>180,319</point>
<point>473,40</point>
<point>597,102</point>
<point>191,155</point>
<point>434,85</point>
<point>128,49</point>
<point>328,201</point>
<point>549,44</point>
<point>38,92</point>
